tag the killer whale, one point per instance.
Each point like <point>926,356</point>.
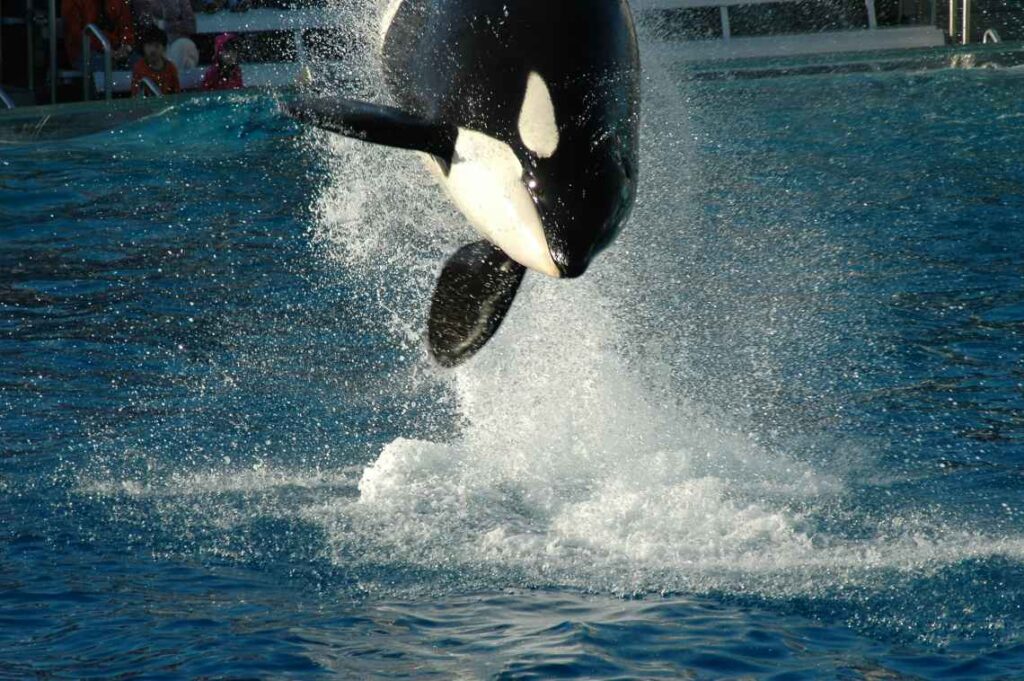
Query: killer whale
<point>528,111</point>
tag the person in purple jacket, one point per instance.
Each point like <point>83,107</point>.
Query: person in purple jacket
<point>226,72</point>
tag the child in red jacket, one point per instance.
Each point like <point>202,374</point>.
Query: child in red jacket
<point>155,64</point>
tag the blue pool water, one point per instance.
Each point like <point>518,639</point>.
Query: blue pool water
<point>775,433</point>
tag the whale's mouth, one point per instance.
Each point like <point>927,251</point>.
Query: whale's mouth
<point>571,264</point>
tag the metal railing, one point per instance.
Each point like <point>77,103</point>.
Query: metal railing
<point>108,61</point>
<point>90,30</point>
<point>5,99</point>
<point>991,36</point>
<point>966,23</point>
<point>149,88</point>
<point>962,22</point>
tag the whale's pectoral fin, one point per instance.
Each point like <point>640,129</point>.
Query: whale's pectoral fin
<point>474,293</point>
<point>375,123</point>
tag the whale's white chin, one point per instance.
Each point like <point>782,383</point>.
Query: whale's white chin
<point>485,182</point>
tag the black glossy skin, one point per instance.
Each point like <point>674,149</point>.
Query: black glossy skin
<point>466,62</point>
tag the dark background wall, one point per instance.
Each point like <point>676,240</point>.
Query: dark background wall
<point>769,19</point>
<point>1006,16</point>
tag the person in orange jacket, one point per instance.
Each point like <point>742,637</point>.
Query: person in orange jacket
<point>155,64</point>
<point>113,17</point>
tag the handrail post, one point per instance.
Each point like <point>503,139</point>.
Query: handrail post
<point>86,65</point>
<point>53,51</point>
<point>966,38</point>
<point>952,21</point>
<point>872,15</point>
<point>108,61</point>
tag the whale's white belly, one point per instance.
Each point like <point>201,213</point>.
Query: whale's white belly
<point>485,183</point>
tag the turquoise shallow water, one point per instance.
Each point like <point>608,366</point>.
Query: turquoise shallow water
<point>775,433</point>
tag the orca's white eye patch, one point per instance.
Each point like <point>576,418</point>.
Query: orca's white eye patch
<point>538,127</point>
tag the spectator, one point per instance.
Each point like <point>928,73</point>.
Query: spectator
<point>184,54</point>
<point>173,16</point>
<point>113,17</point>
<point>225,73</point>
<point>178,20</point>
<point>154,64</point>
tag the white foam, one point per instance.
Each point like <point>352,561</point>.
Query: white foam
<point>569,468</point>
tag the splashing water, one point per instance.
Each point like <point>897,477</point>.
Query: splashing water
<point>581,458</point>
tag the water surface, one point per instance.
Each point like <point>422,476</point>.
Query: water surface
<point>775,433</point>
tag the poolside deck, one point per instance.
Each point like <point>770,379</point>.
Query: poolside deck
<point>867,40</point>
